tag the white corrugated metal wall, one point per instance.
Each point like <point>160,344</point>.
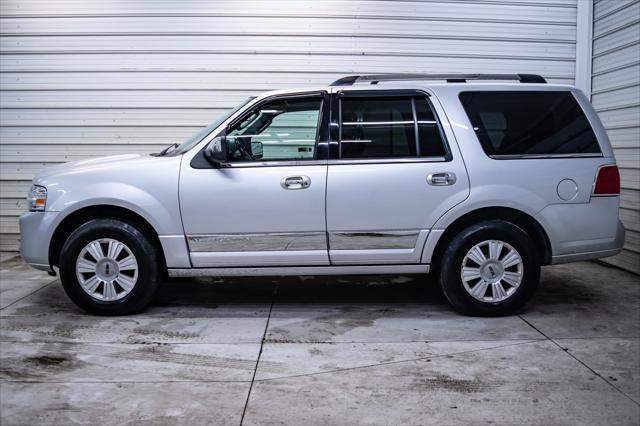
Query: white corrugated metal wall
<point>85,78</point>
<point>616,97</point>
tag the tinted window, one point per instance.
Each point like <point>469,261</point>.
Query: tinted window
<point>284,129</point>
<point>431,143</point>
<point>523,122</point>
<point>385,128</point>
<point>374,128</point>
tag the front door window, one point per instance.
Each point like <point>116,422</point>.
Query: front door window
<point>280,130</point>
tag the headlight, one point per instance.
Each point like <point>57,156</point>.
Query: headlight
<point>37,198</point>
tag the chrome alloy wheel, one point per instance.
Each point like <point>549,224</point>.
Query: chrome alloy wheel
<point>107,270</point>
<point>492,271</point>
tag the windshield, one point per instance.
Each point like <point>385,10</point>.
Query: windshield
<point>193,140</point>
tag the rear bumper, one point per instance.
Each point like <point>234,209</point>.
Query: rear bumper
<point>615,244</point>
<point>36,230</point>
<point>581,231</point>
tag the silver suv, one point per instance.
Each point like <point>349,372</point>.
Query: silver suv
<point>479,179</point>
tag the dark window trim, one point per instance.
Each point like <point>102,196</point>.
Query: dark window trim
<point>543,156</point>
<point>347,93</point>
<point>413,94</point>
<point>388,160</point>
<point>199,162</point>
<point>501,157</point>
<point>416,132</point>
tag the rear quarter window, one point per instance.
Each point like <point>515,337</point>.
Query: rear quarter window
<point>516,123</point>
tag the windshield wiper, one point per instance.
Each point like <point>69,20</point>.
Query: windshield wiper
<point>166,150</point>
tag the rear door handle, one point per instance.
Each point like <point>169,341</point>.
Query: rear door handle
<point>441,179</point>
<point>295,182</point>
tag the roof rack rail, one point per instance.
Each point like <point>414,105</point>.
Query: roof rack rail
<point>450,78</point>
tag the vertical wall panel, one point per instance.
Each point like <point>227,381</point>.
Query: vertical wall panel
<point>84,78</point>
<point>616,97</point>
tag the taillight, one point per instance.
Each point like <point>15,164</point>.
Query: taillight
<point>607,181</point>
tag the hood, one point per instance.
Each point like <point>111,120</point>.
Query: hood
<point>91,163</point>
<point>110,164</point>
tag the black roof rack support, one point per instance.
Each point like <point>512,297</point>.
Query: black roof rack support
<point>531,78</point>
<point>346,81</point>
<point>450,78</point>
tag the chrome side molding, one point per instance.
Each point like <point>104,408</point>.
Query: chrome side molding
<point>372,240</point>
<point>299,241</point>
<point>276,241</point>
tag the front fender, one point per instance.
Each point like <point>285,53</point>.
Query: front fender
<point>147,186</point>
<point>162,216</point>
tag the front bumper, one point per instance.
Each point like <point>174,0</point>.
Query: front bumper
<point>36,230</point>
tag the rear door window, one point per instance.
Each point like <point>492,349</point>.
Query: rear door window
<point>389,127</point>
<point>516,123</point>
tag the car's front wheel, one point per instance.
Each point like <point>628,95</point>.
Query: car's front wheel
<point>109,267</point>
<point>490,268</point>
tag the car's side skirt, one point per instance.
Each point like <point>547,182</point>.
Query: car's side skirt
<point>299,270</point>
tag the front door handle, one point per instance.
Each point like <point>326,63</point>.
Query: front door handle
<point>441,179</point>
<point>295,182</point>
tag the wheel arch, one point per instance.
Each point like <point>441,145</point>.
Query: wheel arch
<point>75,219</point>
<point>523,220</point>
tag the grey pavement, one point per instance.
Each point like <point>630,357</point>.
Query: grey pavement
<point>322,350</point>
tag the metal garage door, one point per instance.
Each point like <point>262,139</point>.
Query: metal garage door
<point>88,78</point>
<point>616,97</point>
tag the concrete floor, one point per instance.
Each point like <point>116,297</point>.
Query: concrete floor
<point>318,350</point>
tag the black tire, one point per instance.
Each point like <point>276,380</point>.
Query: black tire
<point>451,263</point>
<point>147,256</point>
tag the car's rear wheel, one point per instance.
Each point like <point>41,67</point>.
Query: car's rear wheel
<point>109,267</point>
<point>489,269</point>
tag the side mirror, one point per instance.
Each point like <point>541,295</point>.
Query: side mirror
<point>216,151</point>
<point>256,150</point>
